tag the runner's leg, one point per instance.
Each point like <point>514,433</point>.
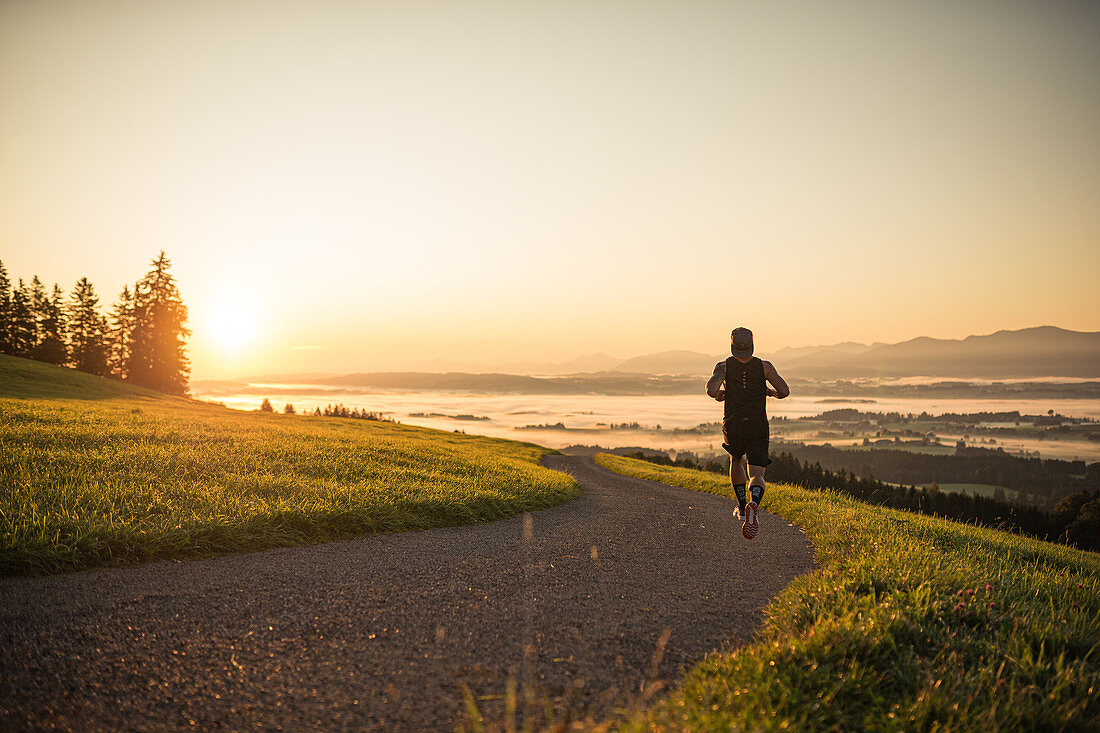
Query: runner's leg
<point>737,479</point>
<point>756,489</point>
<point>734,443</point>
<point>757,453</point>
<point>756,483</point>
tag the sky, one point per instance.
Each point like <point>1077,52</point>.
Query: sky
<point>362,186</point>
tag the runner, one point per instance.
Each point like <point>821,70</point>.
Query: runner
<point>739,381</point>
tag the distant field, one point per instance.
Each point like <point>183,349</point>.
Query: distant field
<point>935,450</point>
<point>911,623</point>
<point>986,490</point>
<point>98,473</point>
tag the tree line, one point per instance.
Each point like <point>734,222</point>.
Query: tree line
<point>142,340</point>
<point>354,413</point>
<point>1075,520</point>
<point>338,410</point>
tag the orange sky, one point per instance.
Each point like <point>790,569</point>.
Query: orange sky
<point>367,185</point>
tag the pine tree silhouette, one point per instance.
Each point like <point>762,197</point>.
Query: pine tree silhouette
<point>51,347</point>
<point>87,330</point>
<point>5,311</point>
<point>120,334</point>
<point>39,307</point>
<point>158,356</point>
<point>22,326</point>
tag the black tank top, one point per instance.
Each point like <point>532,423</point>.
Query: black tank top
<point>746,392</point>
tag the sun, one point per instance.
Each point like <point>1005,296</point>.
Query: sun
<point>233,326</point>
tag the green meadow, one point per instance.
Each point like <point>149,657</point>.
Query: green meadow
<point>909,623</point>
<point>986,490</point>
<point>97,473</point>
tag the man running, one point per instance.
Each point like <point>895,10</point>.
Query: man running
<point>739,381</point>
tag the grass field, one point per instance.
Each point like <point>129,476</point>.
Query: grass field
<point>986,490</point>
<point>932,450</point>
<point>910,623</point>
<point>95,473</point>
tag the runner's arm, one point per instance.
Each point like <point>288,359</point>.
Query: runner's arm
<point>714,384</point>
<point>781,389</point>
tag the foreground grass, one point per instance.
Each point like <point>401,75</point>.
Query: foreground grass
<point>910,623</point>
<point>128,475</point>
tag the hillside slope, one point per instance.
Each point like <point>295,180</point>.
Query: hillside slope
<point>27,380</point>
<point>100,473</point>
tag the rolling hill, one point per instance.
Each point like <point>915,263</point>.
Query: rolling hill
<point>670,362</point>
<point>96,472</point>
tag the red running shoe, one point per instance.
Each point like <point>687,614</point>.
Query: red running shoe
<point>752,524</point>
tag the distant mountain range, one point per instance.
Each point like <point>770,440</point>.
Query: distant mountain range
<point>1044,351</point>
<point>1029,353</point>
<point>670,362</point>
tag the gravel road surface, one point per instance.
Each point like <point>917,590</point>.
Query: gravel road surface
<point>382,632</point>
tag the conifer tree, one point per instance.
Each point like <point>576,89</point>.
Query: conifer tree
<point>158,356</point>
<point>22,328</point>
<point>5,312</point>
<point>120,335</point>
<point>51,329</point>
<point>40,305</point>
<point>87,347</point>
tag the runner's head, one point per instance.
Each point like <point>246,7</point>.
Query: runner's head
<point>741,342</point>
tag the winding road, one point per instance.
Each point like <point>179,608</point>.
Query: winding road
<point>382,632</point>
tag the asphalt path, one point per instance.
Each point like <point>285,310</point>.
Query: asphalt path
<point>588,604</point>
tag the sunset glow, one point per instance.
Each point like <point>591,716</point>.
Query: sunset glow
<point>233,327</point>
<point>424,183</point>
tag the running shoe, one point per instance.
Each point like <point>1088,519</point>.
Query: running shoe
<point>752,524</point>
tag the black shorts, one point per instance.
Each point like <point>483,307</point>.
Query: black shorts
<point>753,444</point>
